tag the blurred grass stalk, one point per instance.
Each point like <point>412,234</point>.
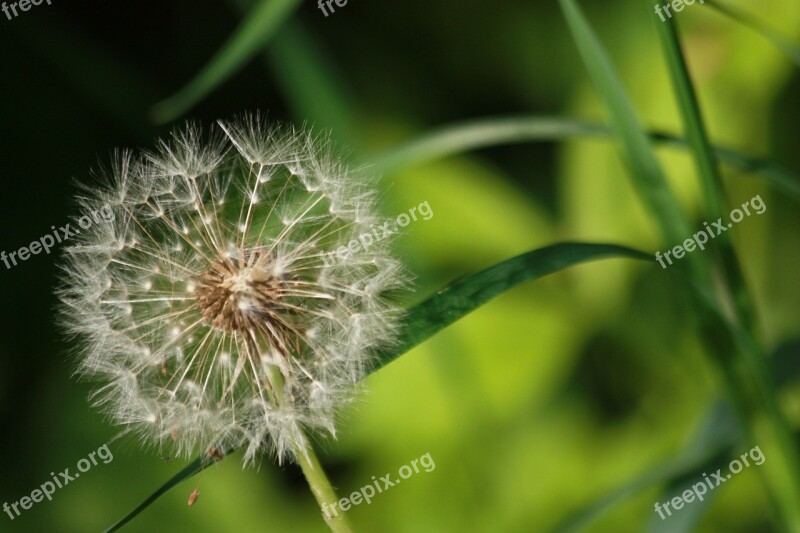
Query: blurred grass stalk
<point>462,137</point>
<point>720,294</point>
<point>252,35</point>
<point>765,422</point>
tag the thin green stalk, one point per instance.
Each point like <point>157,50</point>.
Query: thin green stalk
<point>705,161</point>
<point>646,173</point>
<point>465,136</point>
<point>689,108</point>
<point>254,32</point>
<point>747,374</point>
<point>722,322</point>
<point>322,489</point>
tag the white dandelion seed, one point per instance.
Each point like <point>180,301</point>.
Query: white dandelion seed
<point>208,314</point>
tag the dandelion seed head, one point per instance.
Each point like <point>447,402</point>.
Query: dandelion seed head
<point>208,316</point>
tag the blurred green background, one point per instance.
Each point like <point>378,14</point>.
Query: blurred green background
<point>532,407</point>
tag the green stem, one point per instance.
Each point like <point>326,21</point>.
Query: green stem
<point>322,489</point>
<point>705,161</point>
<point>315,476</point>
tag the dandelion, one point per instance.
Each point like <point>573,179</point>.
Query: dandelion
<point>207,313</point>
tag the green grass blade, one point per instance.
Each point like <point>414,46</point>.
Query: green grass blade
<point>444,308</point>
<point>784,486</point>
<point>249,38</point>
<point>647,175</point>
<point>689,108</point>
<point>705,160</point>
<point>780,41</point>
<point>714,441</point>
<point>470,135</point>
<point>197,466</point>
<point>467,294</point>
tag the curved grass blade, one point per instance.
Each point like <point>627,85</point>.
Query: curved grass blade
<point>197,466</point>
<point>713,442</point>
<point>465,136</point>
<point>467,294</point>
<point>249,38</point>
<point>470,135</point>
<point>766,31</point>
<point>444,308</point>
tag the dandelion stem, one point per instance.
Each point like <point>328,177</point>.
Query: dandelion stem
<point>322,489</point>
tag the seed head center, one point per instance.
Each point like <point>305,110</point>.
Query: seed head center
<point>236,294</point>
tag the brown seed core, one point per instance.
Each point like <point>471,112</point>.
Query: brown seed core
<point>238,294</point>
